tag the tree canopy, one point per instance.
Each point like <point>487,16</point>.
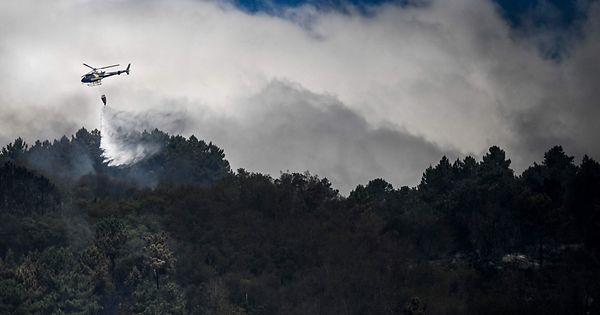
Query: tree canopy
<point>181,233</point>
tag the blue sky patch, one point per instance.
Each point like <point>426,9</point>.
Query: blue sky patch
<point>542,13</point>
<point>559,18</point>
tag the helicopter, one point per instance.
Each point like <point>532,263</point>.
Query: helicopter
<point>95,77</point>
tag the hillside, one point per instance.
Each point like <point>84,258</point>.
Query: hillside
<point>179,232</point>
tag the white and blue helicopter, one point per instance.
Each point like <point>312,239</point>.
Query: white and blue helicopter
<point>95,76</point>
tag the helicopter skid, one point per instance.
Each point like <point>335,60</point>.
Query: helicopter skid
<point>95,83</point>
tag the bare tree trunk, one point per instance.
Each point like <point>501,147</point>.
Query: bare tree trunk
<point>541,246</point>
<point>156,278</point>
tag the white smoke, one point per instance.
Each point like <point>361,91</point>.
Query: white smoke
<point>451,73</point>
<point>123,138</point>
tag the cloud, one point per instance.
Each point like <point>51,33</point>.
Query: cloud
<point>399,84</point>
<point>564,107</point>
<point>287,128</point>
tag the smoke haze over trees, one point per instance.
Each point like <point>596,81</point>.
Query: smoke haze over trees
<point>179,232</point>
<point>383,157</point>
<point>432,77</point>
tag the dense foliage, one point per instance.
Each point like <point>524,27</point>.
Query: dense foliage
<point>180,233</point>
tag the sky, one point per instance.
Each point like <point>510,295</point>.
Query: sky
<point>350,91</point>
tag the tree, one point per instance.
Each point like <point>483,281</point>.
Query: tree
<point>414,307</point>
<point>584,200</point>
<point>13,151</point>
<point>191,162</point>
<point>437,182</point>
<point>158,256</point>
<point>543,203</point>
<point>24,192</point>
<point>55,284</point>
<point>493,220</point>
<point>111,235</point>
<point>559,172</point>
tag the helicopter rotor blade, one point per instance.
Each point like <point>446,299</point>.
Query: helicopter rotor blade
<point>89,66</point>
<point>109,66</point>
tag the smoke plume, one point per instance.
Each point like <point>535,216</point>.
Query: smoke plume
<point>125,135</point>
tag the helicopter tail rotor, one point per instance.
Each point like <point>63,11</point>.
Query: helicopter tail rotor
<point>127,70</point>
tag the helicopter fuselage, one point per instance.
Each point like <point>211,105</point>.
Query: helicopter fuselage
<point>95,77</point>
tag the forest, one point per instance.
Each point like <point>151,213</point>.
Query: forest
<point>180,232</point>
